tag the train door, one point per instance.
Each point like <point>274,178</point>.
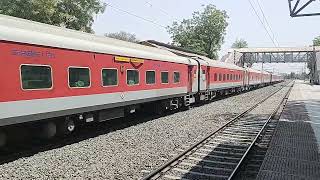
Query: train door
<point>208,77</point>
<point>193,78</point>
<point>246,78</point>
<point>195,82</point>
<point>190,78</point>
<point>203,78</point>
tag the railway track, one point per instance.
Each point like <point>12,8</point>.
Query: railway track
<point>28,146</point>
<point>221,154</point>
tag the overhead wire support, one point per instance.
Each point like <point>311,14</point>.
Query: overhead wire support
<point>255,11</point>
<point>137,16</point>
<point>294,12</point>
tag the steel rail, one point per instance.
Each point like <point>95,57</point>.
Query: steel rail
<point>257,136</point>
<point>13,153</point>
<point>166,165</point>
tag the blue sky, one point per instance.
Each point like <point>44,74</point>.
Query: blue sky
<point>243,23</point>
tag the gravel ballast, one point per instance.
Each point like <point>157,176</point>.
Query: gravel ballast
<point>126,153</point>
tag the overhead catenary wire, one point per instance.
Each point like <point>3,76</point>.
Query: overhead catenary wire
<point>264,26</point>
<point>267,22</point>
<point>135,15</point>
<point>161,10</point>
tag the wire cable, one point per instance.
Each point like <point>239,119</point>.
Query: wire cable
<point>265,18</point>
<point>137,16</point>
<point>255,11</point>
<point>162,11</point>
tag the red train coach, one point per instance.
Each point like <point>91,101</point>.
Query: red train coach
<point>59,77</point>
<point>49,72</point>
<point>223,77</point>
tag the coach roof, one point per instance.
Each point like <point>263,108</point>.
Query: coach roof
<point>25,31</point>
<point>217,63</point>
<point>253,70</point>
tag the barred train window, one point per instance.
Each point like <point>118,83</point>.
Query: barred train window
<point>79,77</point>
<point>36,77</point>
<point>109,77</point>
<point>176,77</point>
<point>150,77</point>
<point>165,77</point>
<point>132,77</point>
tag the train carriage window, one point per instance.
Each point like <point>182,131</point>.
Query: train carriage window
<point>215,77</point>
<point>227,76</point>
<point>176,77</point>
<point>36,77</point>
<point>165,77</point>
<point>132,77</point>
<point>79,77</point>
<point>220,77</point>
<point>224,77</point>
<point>109,77</point>
<point>150,77</point>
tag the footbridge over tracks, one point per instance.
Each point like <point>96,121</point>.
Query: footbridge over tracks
<point>248,56</point>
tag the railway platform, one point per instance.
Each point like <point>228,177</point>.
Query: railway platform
<point>294,151</point>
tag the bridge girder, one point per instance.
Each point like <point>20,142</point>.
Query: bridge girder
<point>248,56</point>
<point>275,57</point>
<point>296,8</point>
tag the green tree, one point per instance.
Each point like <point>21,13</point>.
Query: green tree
<point>73,14</point>
<point>123,36</point>
<point>316,41</point>
<point>311,64</point>
<point>240,43</point>
<point>203,33</point>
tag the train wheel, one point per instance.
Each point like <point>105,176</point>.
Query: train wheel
<point>48,130</point>
<point>3,138</point>
<point>66,127</point>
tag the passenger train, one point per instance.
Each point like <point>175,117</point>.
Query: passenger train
<point>56,77</point>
